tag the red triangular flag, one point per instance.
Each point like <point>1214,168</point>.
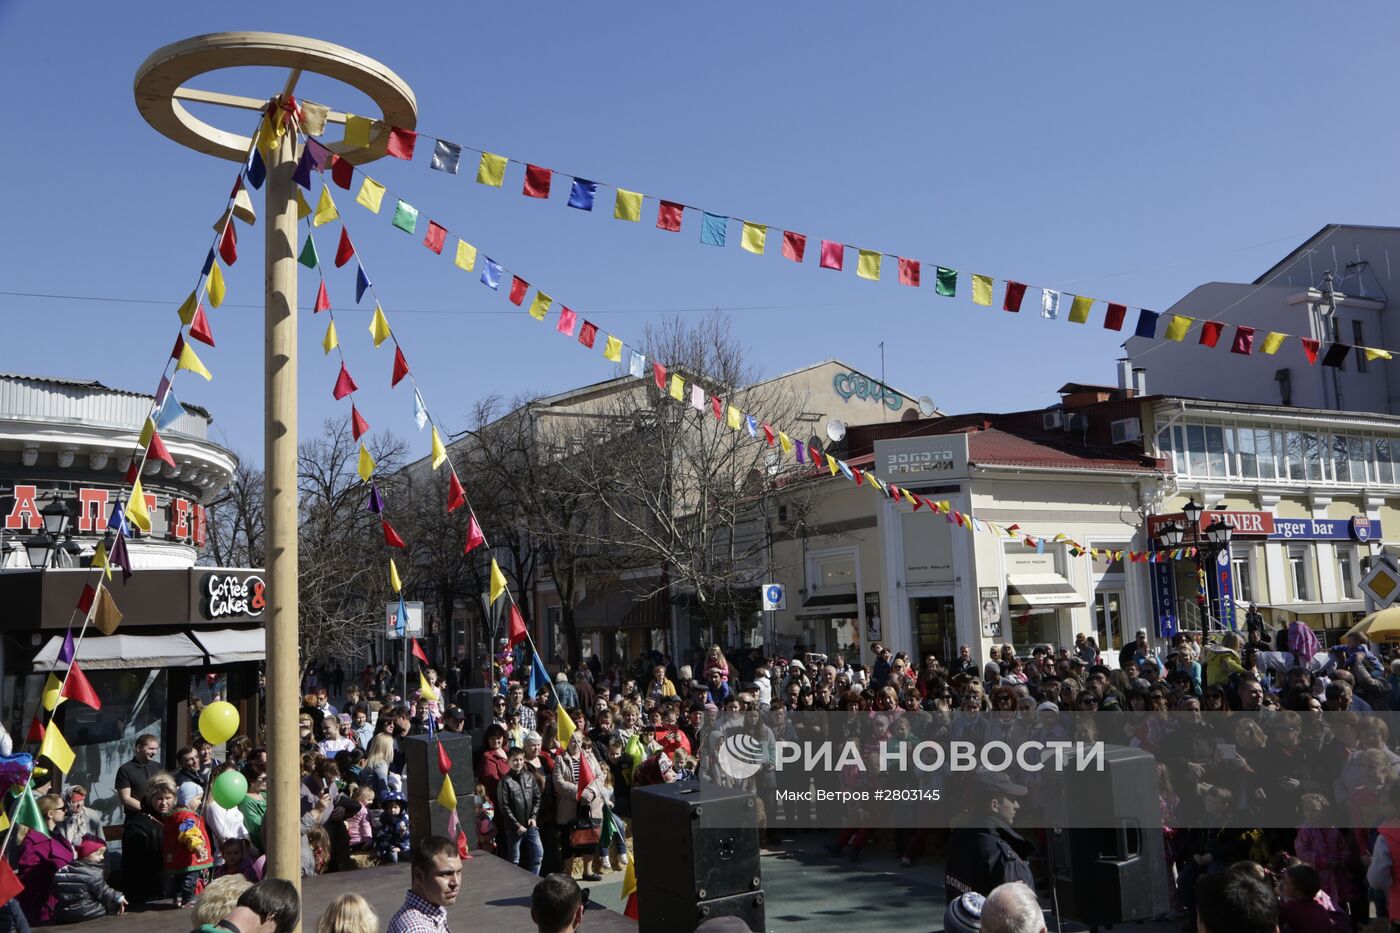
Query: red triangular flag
<point>391,537</point>
<point>10,885</point>
<point>130,478</point>
<point>631,909</point>
<point>401,143</point>
<point>344,385</point>
<point>358,424</point>
<point>77,687</point>
<point>199,327</point>
<point>456,495</point>
<point>462,844</point>
<point>444,763</point>
<point>179,347</point>
<point>474,536</point>
<point>717,407</point>
<point>1310,349</point>
<point>344,251</point>
<point>517,625</point>
<point>418,651</point>
<point>323,300</point>
<point>85,599</point>
<point>400,367</point>
<point>768,434</point>
<point>585,774</point>
<point>228,244</point>
<point>35,733</point>
<point>157,449</point>
<point>342,172</point>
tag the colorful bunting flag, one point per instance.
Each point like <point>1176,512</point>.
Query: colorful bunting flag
<point>1336,354</point>
<point>26,812</point>
<point>406,217</point>
<point>794,245</point>
<point>344,249</point>
<point>754,238</point>
<point>1178,326</point>
<point>714,229</point>
<point>394,582</point>
<point>456,495</point>
<point>216,287</point>
<point>735,418</point>
<point>518,288</point>
<point>359,427</point>
<point>1146,324</point>
<point>107,616</point>
<point>945,282</point>
<point>332,339</point>
<point>677,388</point>
<point>537,181</point>
<point>186,309</point>
<point>833,255</point>
<point>491,275</point>
<point>447,797</point>
<point>518,632</point>
<point>498,581</point>
<point>474,536</point>
<point>379,326</point>
<point>371,195</point>
<point>400,367</point>
<point>157,450</point>
<point>1373,354</point>
<point>668,216</point>
<point>136,509</point>
<point>1113,319</point>
<point>909,272</point>
<point>308,257</point>
<point>565,727</point>
<point>628,205</point>
<point>256,170</point>
<point>418,653</point>
<point>76,686</point>
<point>357,131</point>
<point>420,411</point>
<point>401,143</point>
<point>491,170</point>
<point>199,327</point>
<point>982,290</point>
<point>52,694</point>
<point>587,333</point>
<point>446,156</point>
<point>436,237</point>
<point>1015,291</point>
<point>1210,333</point>
<point>119,556</point>
<point>344,385</point>
<point>466,256</point>
<point>342,172</point>
<point>228,244</point>
<point>439,451</point>
<point>1079,309</point>
<point>658,373</point>
<point>325,210</point>
<point>567,319</point>
<point>366,465</point>
<point>444,763</point>
<point>1049,303</point>
<point>540,306</point>
<point>323,299</point>
<point>868,264</point>
<point>612,350</point>
<point>582,193</point>
<point>99,560</point>
<point>375,502</point>
<point>391,537</point>
<point>636,364</point>
<point>1244,341</point>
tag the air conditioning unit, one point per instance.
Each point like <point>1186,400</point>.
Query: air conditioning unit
<point>1126,430</point>
<point>1077,423</point>
<point>1053,420</point>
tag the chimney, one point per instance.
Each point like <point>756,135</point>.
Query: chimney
<point>1125,373</point>
<point>1139,381</point>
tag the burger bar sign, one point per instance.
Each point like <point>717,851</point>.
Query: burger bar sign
<point>232,596</point>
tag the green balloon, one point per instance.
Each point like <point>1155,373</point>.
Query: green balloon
<point>229,789</point>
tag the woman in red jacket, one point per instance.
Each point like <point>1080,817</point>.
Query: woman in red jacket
<point>40,858</point>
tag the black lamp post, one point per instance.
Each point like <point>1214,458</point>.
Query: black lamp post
<point>40,546</point>
<point>1208,544</point>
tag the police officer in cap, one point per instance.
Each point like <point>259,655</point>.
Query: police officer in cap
<point>985,851</point>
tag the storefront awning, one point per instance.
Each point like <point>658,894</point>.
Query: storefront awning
<point>125,652</point>
<point>1306,609</point>
<point>232,645</point>
<point>1042,589</point>
<point>830,602</point>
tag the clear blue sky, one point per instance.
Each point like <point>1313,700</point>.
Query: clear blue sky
<point>1123,151</point>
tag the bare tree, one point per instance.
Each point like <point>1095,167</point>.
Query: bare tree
<point>236,520</point>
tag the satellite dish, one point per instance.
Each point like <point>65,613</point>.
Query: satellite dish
<point>926,407</point>
<point>836,430</point>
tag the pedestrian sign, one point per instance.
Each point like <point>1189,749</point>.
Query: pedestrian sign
<point>774,597</point>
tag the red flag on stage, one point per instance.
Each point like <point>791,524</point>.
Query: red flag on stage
<point>585,774</point>
<point>358,425</point>
<point>456,495</point>
<point>344,385</point>
<point>400,367</point>
<point>77,687</point>
<point>391,537</point>
<point>444,763</point>
<point>517,625</point>
<point>345,249</point>
<point>418,650</point>
<point>474,536</point>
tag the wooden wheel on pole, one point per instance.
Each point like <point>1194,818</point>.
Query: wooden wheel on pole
<point>161,96</point>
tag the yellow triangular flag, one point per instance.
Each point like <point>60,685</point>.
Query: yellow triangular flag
<point>4,821</point>
<point>332,339</point>
<point>678,388</point>
<point>379,325</point>
<point>982,289</point>
<point>189,360</point>
<point>628,205</point>
<point>425,689</point>
<point>216,286</point>
<point>1178,327</point>
<point>466,256</point>
<point>136,509</point>
<point>785,441</point>
<point>148,431</point>
<point>107,616</point>
<point>491,170</point>
<point>754,238</point>
<point>371,195</point>
<point>1273,342</point>
<point>303,209</point>
<point>1373,353</point>
<point>629,878</point>
<point>56,749</point>
<point>325,209</point>
<point>540,306</point>
<point>394,580</point>
<point>735,417</point>
<point>366,466</point>
<point>99,559</point>
<point>439,451</point>
<point>186,311</point>
<point>564,726</point>
<point>868,265</point>
<point>52,688</point>
<point>612,350</point>
<point>498,581</point>
<point>447,797</point>
<point>831,464</point>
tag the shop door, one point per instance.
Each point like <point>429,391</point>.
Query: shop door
<point>935,627</point>
<point>1108,620</point>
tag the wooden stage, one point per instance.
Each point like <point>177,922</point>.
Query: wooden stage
<point>495,899</point>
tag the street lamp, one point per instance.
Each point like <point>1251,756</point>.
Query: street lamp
<point>41,545</point>
<point>1209,544</point>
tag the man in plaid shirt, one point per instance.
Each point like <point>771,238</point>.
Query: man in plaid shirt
<point>528,723</point>
<point>437,877</point>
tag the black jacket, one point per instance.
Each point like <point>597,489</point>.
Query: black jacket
<point>143,858</point>
<point>980,857</point>
<point>82,893</point>
<point>517,800</point>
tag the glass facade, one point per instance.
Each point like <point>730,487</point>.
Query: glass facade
<point>1246,453</point>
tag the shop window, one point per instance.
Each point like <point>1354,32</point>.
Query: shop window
<point>1340,464</point>
<point>1196,445</point>
<point>1215,451</point>
<point>1385,471</point>
<point>1347,571</point>
<point>1293,451</point>
<point>1242,574</point>
<point>1299,579</point>
<point>1108,620</point>
<point>1359,454</point>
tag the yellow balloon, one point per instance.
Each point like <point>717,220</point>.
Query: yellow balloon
<point>219,722</point>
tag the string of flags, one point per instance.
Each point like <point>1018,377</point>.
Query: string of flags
<point>671,385</point>
<point>871,264</point>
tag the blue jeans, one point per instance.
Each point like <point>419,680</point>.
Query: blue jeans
<point>523,849</point>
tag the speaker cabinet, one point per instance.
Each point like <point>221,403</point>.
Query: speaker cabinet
<point>1116,873</point>
<point>696,842</point>
<point>658,910</point>
<point>424,783</point>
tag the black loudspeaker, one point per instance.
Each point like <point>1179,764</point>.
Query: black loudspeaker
<point>697,846</point>
<point>476,703</point>
<point>425,817</point>
<point>1116,873</point>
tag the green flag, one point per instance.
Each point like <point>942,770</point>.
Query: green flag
<point>27,812</point>
<point>635,754</point>
<point>308,256</point>
<point>608,832</point>
<point>946,283</point>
